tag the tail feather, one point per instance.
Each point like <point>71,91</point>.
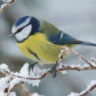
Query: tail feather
<point>83,43</point>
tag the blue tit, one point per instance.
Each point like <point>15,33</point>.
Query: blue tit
<point>42,41</point>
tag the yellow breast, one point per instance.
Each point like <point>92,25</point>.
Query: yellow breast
<point>38,48</point>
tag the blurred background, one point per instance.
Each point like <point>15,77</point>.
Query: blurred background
<point>75,17</point>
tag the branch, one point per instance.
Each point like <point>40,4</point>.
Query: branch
<point>15,79</point>
<point>68,50</point>
<point>63,68</point>
<point>12,76</point>
<point>67,67</point>
<point>25,90</point>
<point>6,4</point>
<point>89,88</point>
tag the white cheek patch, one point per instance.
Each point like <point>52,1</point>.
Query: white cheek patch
<point>15,28</point>
<point>24,33</point>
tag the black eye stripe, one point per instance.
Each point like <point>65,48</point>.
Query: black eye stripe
<point>19,30</point>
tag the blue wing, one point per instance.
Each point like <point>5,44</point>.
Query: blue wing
<point>62,38</point>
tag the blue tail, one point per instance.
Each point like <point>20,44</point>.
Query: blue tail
<point>82,43</point>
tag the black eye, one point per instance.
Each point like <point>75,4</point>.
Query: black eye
<point>19,29</point>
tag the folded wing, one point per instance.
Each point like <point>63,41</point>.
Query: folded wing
<point>62,38</point>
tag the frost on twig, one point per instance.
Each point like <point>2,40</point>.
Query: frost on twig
<point>6,4</point>
<point>89,88</point>
<point>13,79</point>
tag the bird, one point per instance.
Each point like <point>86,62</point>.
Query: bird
<point>41,41</point>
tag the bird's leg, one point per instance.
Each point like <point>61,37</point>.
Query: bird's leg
<point>53,70</point>
<point>31,66</point>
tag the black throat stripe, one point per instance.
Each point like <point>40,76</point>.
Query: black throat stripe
<point>33,53</point>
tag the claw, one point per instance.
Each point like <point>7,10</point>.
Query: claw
<point>53,70</point>
<point>31,67</point>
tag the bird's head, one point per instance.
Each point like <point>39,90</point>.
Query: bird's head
<point>24,27</point>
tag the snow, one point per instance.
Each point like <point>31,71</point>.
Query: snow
<point>12,94</point>
<point>23,76</point>
<point>4,67</point>
<point>4,94</point>
<point>3,6</point>
<point>4,83</point>
<point>36,94</point>
<point>79,66</point>
<point>62,72</point>
<point>73,94</point>
<point>24,70</point>
<point>92,83</point>
<point>6,1</point>
<point>14,82</point>
<point>35,73</point>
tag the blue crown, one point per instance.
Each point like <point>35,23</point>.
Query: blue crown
<point>21,20</point>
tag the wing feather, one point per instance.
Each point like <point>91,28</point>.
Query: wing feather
<point>61,38</point>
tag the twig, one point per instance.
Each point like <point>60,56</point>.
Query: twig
<point>78,55</point>
<point>6,5</point>
<point>65,67</point>
<point>25,90</point>
<point>59,69</point>
<point>87,91</point>
<point>89,88</point>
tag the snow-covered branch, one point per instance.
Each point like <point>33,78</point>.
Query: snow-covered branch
<point>8,83</point>
<point>12,79</point>
<point>6,4</point>
<point>89,88</point>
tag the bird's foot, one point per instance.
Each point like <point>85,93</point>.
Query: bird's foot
<point>31,67</point>
<point>53,70</point>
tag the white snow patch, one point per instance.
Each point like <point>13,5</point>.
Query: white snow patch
<point>4,83</point>
<point>14,82</point>
<point>3,5</point>
<point>24,70</point>
<point>92,83</point>
<point>12,94</point>
<point>7,1</point>
<point>2,93</point>
<point>4,67</point>
<point>60,66</point>
<point>36,94</point>
<point>35,73</point>
<point>5,94</point>
<point>73,94</point>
